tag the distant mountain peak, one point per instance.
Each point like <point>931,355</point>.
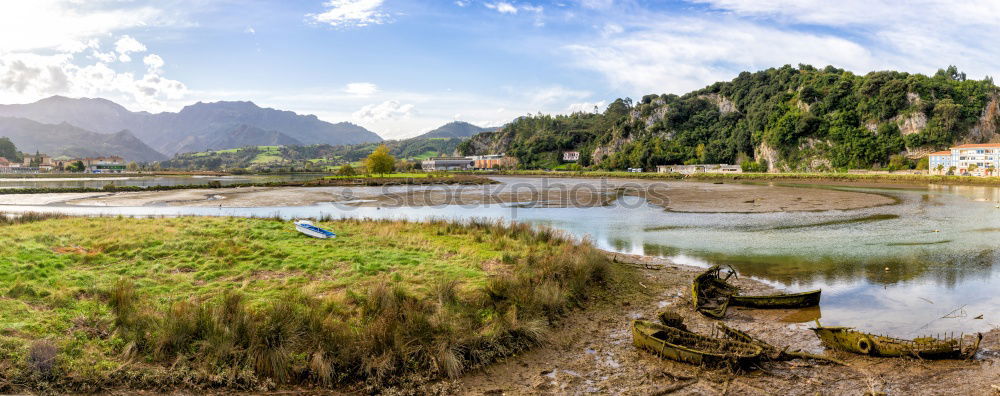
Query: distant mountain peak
<point>454,129</point>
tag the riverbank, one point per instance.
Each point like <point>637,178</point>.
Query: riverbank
<point>81,175</point>
<point>528,192</point>
<point>591,352</point>
<point>251,305</point>
<point>873,179</point>
<point>216,184</point>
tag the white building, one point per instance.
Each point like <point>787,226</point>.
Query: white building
<point>699,168</point>
<point>972,159</point>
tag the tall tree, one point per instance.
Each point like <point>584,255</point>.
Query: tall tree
<point>8,150</point>
<point>380,161</point>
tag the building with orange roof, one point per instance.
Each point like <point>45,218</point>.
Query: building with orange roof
<point>966,159</point>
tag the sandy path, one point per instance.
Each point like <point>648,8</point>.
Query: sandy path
<point>591,352</point>
<point>529,192</point>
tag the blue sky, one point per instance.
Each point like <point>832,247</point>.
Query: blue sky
<point>401,67</point>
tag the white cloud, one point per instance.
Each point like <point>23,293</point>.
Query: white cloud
<point>388,110</point>
<point>346,13</point>
<point>127,45</point>
<point>597,4</point>
<point>250,30</point>
<point>678,55</point>
<point>64,25</point>
<point>502,7</point>
<point>586,107</point>
<point>462,3</point>
<point>361,88</point>
<point>556,94</point>
<point>153,62</point>
<point>31,77</point>
<point>611,29</point>
<point>921,35</point>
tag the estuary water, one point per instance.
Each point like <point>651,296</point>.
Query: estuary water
<point>928,264</point>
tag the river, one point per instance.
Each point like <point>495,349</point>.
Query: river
<point>925,265</point>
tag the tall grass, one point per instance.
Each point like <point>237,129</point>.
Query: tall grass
<point>382,336</point>
<point>27,217</point>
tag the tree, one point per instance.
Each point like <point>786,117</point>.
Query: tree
<point>346,170</point>
<point>132,166</point>
<point>923,163</point>
<point>8,150</point>
<point>380,161</point>
<point>76,166</point>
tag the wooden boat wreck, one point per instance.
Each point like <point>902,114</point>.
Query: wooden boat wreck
<point>770,351</point>
<point>712,295</point>
<point>687,347</point>
<point>850,340</point>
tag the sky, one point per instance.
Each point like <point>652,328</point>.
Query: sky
<point>403,67</point>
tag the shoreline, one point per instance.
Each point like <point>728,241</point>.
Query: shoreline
<point>591,352</point>
<point>348,182</point>
<point>819,178</point>
<point>673,196</point>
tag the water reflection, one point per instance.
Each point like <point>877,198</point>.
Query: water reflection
<point>895,269</point>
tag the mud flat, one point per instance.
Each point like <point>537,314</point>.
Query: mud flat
<point>591,352</point>
<point>526,192</point>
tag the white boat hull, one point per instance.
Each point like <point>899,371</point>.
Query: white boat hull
<point>306,227</point>
<point>311,233</point>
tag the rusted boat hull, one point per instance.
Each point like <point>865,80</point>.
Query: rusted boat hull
<point>850,340</point>
<point>786,300</point>
<point>712,296</point>
<point>683,346</point>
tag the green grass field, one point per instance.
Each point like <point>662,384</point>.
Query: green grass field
<point>252,304</point>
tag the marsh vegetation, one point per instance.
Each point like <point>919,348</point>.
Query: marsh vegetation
<point>249,304</point>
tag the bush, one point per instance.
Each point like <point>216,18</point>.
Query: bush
<point>753,167</point>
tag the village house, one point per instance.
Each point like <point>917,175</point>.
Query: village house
<point>971,159</point>
<point>447,163</point>
<point>111,164</point>
<point>493,161</point>
<point>571,156</point>
<point>41,161</point>
<point>699,168</point>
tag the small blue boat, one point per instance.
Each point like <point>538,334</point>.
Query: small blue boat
<point>307,227</point>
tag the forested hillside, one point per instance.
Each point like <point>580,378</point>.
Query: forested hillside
<point>317,157</point>
<point>784,118</point>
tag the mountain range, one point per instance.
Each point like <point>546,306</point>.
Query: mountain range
<point>198,127</point>
<point>65,139</point>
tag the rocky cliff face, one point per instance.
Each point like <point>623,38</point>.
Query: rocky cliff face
<point>724,104</point>
<point>985,131</point>
<point>765,152</point>
<point>912,123</point>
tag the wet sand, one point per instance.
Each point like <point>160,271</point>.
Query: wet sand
<point>591,352</point>
<point>526,192</point>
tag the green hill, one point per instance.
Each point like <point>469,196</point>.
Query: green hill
<point>317,157</point>
<point>788,118</point>
<point>455,129</point>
